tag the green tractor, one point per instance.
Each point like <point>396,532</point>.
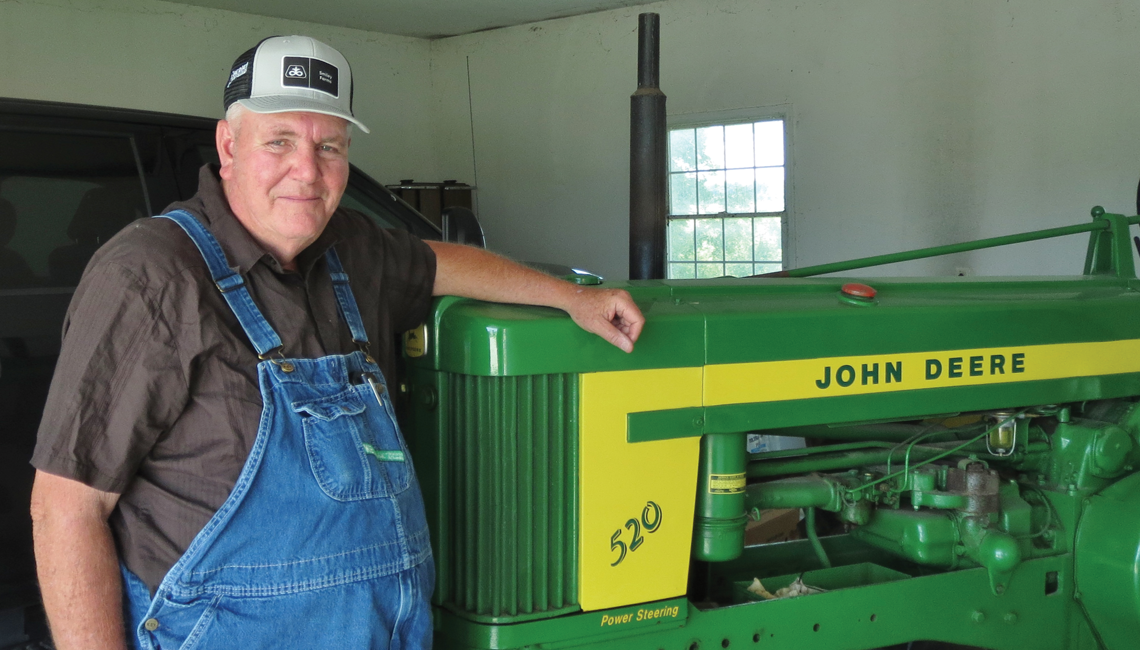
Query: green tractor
<point>970,476</point>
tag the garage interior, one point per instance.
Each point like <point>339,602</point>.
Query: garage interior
<point>912,123</point>
<point>908,124</point>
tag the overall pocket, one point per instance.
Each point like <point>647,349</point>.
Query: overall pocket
<point>183,626</point>
<point>354,448</point>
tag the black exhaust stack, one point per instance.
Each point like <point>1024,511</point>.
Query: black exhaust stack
<point>647,146</point>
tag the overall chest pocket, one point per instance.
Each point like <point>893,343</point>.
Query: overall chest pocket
<point>355,450</point>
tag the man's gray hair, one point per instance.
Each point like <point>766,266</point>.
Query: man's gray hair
<point>235,112</point>
<point>233,116</point>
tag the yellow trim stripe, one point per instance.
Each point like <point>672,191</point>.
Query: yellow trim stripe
<point>772,381</point>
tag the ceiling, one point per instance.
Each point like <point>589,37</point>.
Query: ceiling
<point>431,19</point>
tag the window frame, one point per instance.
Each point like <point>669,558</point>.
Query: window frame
<point>781,112</point>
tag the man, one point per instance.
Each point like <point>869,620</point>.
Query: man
<point>218,456</point>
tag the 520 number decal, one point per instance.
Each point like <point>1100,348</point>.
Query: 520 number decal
<point>650,522</point>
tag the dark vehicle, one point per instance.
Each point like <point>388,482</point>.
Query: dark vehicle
<point>70,177</point>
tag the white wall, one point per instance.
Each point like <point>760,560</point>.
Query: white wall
<point>175,58</point>
<point>917,122</point>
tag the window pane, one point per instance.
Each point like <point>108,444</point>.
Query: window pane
<point>738,146</point>
<point>738,239</point>
<point>683,271</point>
<point>710,192</point>
<point>710,147</point>
<point>741,192</point>
<point>62,196</point>
<point>738,270</point>
<point>682,150</point>
<point>710,270</point>
<point>769,240</point>
<point>352,199</point>
<point>770,189</point>
<point>725,171</point>
<point>683,193</point>
<point>769,143</point>
<point>681,240</point>
<point>710,233</point>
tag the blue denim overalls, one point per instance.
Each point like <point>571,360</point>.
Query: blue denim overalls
<point>323,542</point>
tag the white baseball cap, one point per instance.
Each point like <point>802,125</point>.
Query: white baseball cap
<point>292,73</point>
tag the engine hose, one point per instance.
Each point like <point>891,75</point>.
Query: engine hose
<point>815,544</point>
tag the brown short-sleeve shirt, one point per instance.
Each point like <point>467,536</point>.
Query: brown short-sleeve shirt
<point>155,395</point>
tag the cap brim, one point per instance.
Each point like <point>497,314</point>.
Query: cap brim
<point>290,103</point>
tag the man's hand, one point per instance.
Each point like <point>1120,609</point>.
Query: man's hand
<point>609,313</point>
<point>475,273</point>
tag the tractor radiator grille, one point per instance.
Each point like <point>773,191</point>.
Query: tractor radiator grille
<point>510,539</point>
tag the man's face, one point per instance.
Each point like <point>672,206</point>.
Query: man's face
<point>284,174</point>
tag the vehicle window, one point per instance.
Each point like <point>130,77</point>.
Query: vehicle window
<point>209,153</point>
<point>170,164</point>
<point>62,195</point>
<point>357,200</point>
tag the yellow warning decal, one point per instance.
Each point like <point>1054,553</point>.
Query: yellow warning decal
<point>416,341</point>
<point>726,483</point>
<point>772,381</point>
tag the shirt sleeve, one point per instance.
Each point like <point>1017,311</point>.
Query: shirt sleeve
<point>409,278</point>
<point>118,384</point>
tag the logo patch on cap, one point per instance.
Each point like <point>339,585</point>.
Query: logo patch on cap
<point>237,72</point>
<point>304,72</point>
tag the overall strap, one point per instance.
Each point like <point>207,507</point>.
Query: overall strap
<point>230,283</point>
<point>345,300</point>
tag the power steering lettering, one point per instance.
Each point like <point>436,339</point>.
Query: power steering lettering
<point>642,614</point>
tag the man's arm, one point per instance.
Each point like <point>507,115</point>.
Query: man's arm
<point>475,273</point>
<point>77,564</point>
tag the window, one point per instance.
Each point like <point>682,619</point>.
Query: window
<point>62,195</point>
<point>358,200</point>
<point>727,198</point>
